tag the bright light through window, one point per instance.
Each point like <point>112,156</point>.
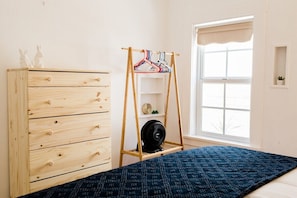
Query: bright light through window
<point>224,90</point>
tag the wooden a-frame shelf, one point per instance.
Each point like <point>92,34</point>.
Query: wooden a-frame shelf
<point>168,147</point>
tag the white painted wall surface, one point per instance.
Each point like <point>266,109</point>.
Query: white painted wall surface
<point>79,34</point>
<point>274,110</point>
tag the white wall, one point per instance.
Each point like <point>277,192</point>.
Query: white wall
<point>280,105</point>
<point>181,28</point>
<point>274,110</point>
<point>78,34</point>
<point>89,34</point>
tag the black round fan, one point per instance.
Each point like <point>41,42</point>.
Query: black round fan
<point>153,135</point>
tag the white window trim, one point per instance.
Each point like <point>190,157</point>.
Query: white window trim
<point>195,103</point>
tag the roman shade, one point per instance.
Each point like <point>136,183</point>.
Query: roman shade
<point>236,32</point>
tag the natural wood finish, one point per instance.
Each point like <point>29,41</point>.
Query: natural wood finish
<point>58,70</point>
<point>173,146</point>
<point>60,179</point>
<point>39,78</point>
<point>18,137</point>
<point>168,148</point>
<point>142,50</point>
<point>57,101</point>
<point>55,131</point>
<point>49,162</point>
<point>173,65</point>
<point>59,126</point>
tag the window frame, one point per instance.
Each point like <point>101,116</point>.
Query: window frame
<point>199,53</point>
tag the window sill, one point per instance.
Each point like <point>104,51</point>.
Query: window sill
<point>199,141</point>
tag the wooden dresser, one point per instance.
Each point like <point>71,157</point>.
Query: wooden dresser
<point>59,126</point>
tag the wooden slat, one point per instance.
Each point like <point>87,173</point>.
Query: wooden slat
<point>164,152</point>
<point>46,78</point>
<point>155,52</point>
<point>59,101</point>
<point>167,148</point>
<point>60,179</point>
<point>53,69</point>
<point>54,131</point>
<point>45,163</point>
<point>18,137</point>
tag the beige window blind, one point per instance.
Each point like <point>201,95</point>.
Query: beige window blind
<point>236,32</point>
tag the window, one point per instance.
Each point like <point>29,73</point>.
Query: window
<point>224,90</point>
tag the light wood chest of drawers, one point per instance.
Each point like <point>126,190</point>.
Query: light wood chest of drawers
<point>59,127</point>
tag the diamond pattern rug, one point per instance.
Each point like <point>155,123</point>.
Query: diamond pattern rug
<point>218,171</point>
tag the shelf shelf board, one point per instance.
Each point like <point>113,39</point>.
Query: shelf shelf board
<point>168,147</point>
<point>152,115</point>
<point>151,93</point>
<point>280,86</point>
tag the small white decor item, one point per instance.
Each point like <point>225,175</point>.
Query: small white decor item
<point>24,59</point>
<point>280,80</point>
<point>38,60</point>
<point>146,108</point>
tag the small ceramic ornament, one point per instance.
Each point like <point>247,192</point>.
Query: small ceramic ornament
<point>38,60</point>
<point>24,59</point>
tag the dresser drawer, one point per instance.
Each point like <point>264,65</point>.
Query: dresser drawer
<point>60,179</point>
<point>59,101</point>
<point>47,78</point>
<point>49,162</point>
<point>54,131</point>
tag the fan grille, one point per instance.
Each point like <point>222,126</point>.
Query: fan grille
<point>153,134</point>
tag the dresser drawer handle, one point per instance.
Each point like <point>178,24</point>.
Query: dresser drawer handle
<point>97,153</point>
<point>97,126</point>
<point>50,163</point>
<point>50,132</point>
<point>49,79</point>
<point>98,99</point>
<point>98,79</point>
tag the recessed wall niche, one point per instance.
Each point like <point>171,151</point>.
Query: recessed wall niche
<point>280,65</point>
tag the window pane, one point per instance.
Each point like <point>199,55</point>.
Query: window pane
<point>238,96</point>
<point>212,120</point>
<point>214,64</point>
<point>240,63</point>
<point>241,45</point>
<point>225,90</point>
<point>237,123</point>
<point>213,94</point>
<point>214,47</point>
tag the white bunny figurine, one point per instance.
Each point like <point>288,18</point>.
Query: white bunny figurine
<point>38,60</point>
<point>24,59</point>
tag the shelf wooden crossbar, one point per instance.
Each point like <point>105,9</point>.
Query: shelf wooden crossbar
<point>154,52</point>
<point>168,147</point>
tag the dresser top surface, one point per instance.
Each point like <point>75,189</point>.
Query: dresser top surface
<point>58,70</point>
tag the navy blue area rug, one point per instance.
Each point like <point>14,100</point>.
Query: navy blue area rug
<point>218,171</point>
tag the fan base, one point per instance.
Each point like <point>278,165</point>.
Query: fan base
<point>150,150</point>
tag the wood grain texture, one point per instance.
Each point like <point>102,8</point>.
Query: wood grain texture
<point>49,162</point>
<point>59,127</point>
<point>41,78</point>
<point>17,132</point>
<point>55,131</point>
<point>60,179</point>
<point>58,101</point>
